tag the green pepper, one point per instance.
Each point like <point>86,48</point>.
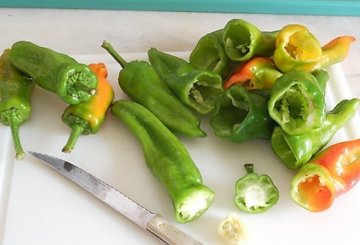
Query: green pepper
<point>244,40</point>
<point>297,102</point>
<point>322,77</point>
<point>240,115</point>
<point>71,81</point>
<point>296,150</point>
<point>256,73</point>
<point>168,160</point>
<point>197,89</point>
<point>139,80</point>
<point>15,99</point>
<point>209,54</point>
<point>88,116</point>
<point>255,193</point>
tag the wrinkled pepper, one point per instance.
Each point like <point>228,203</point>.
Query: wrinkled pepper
<point>297,102</point>
<point>209,54</point>
<point>296,150</point>
<point>255,193</point>
<point>240,115</point>
<point>88,116</point>
<point>168,160</point>
<point>332,172</point>
<point>298,49</point>
<point>139,80</point>
<point>56,72</point>
<point>243,40</point>
<point>256,73</point>
<point>197,89</point>
<point>15,99</point>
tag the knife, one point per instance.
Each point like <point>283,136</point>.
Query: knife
<point>144,218</point>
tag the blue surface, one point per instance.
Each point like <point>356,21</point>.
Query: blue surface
<point>306,7</point>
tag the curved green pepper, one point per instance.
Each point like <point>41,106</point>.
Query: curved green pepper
<point>197,89</point>
<point>140,81</point>
<point>296,150</point>
<point>240,115</point>
<point>297,102</point>
<point>243,40</point>
<point>255,193</point>
<point>209,54</point>
<point>71,81</point>
<point>168,160</point>
<point>15,96</point>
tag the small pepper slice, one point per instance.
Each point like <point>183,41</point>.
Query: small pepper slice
<point>15,99</point>
<point>240,115</point>
<point>297,102</point>
<point>196,88</point>
<point>256,73</point>
<point>244,40</point>
<point>139,80</point>
<point>296,150</point>
<point>168,160</point>
<point>88,116</point>
<point>56,72</point>
<point>255,193</point>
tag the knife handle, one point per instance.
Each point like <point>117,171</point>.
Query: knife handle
<point>168,233</point>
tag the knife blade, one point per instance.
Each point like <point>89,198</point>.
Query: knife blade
<point>142,217</point>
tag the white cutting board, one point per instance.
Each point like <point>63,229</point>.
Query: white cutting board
<point>41,207</point>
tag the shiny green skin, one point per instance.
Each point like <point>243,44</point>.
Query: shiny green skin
<point>15,99</point>
<point>166,157</point>
<point>296,150</point>
<point>197,89</point>
<point>71,81</point>
<point>240,115</point>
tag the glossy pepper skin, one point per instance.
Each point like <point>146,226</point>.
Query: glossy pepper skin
<point>243,40</point>
<point>296,150</point>
<point>298,49</point>
<point>256,73</point>
<point>197,89</point>
<point>140,81</point>
<point>209,54</point>
<point>71,81</point>
<point>255,193</point>
<point>297,102</point>
<point>15,99</point>
<point>168,160</point>
<point>88,116</point>
<point>240,115</point>
<point>330,173</point>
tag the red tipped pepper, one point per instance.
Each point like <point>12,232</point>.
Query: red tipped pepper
<point>330,173</point>
<point>256,73</point>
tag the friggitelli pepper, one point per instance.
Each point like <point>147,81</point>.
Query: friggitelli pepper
<point>240,115</point>
<point>73,82</point>
<point>243,40</point>
<point>15,99</point>
<point>296,150</point>
<point>196,88</point>
<point>88,116</point>
<point>139,80</point>
<point>332,172</point>
<point>256,73</point>
<point>168,160</point>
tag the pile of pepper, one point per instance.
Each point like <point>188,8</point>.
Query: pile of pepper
<point>250,85</point>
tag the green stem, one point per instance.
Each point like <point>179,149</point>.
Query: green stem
<point>249,168</point>
<point>108,47</point>
<point>14,125</point>
<point>76,131</point>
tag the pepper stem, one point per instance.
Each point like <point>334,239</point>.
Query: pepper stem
<point>108,47</point>
<point>14,125</point>
<point>76,130</point>
<point>249,168</point>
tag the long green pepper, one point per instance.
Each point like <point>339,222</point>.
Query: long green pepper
<point>168,160</point>
<point>15,99</point>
